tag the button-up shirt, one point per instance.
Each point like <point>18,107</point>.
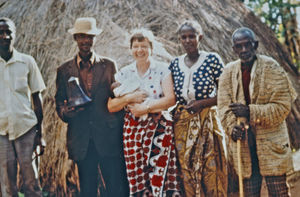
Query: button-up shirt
<point>86,72</point>
<point>19,78</point>
<point>246,73</point>
<point>151,80</point>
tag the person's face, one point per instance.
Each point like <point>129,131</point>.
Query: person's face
<point>141,50</point>
<point>245,48</point>
<point>189,39</point>
<point>5,36</point>
<point>84,42</point>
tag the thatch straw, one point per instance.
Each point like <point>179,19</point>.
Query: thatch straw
<point>42,32</point>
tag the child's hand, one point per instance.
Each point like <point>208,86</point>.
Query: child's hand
<point>114,85</point>
<point>138,96</point>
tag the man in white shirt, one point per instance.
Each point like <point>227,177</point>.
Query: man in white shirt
<point>20,114</point>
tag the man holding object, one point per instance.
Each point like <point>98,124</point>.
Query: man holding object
<point>94,135</point>
<point>255,88</point>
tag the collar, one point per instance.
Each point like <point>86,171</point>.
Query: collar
<point>16,57</point>
<point>248,68</point>
<point>195,66</point>
<point>92,59</point>
<point>152,67</point>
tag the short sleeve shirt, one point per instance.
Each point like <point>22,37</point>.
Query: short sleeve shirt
<point>20,77</point>
<point>151,81</point>
<point>200,80</point>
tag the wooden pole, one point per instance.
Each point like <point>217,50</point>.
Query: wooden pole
<point>238,147</point>
<point>240,168</point>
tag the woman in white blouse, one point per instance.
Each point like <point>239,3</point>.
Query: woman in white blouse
<point>145,91</point>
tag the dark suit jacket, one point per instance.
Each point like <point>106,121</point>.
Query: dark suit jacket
<point>94,122</point>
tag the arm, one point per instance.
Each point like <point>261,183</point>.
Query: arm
<point>158,105</point>
<point>167,100</point>
<point>65,112</point>
<point>37,85</point>
<point>199,105</point>
<point>60,95</point>
<point>118,103</point>
<point>38,110</point>
<point>228,119</point>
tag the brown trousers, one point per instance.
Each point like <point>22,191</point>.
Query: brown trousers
<point>11,152</point>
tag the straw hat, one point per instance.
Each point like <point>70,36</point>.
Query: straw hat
<point>85,25</point>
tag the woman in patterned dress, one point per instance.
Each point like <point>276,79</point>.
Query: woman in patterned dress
<point>198,138</point>
<point>148,137</point>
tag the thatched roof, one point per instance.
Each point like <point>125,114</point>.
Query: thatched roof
<point>42,32</point>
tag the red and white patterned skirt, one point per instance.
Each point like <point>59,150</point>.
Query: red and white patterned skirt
<point>150,155</point>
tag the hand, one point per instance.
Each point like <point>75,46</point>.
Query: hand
<point>176,116</point>
<point>38,141</point>
<point>240,110</point>
<point>138,96</point>
<point>70,112</point>
<point>194,107</point>
<point>138,109</point>
<point>238,132</point>
<point>114,85</point>
<point>176,112</point>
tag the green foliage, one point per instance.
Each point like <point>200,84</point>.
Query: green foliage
<point>277,14</point>
<point>273,12</point>
<point>20,194</point>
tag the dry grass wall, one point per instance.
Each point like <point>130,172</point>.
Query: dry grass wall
<point>42,32</point>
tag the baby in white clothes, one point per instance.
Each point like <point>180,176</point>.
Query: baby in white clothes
<point>129,85</point>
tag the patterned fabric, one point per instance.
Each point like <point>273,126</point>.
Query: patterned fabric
<point>150,81</point>
<point>199,147</point>
<point>271,95</point>
<point>277,186</point>
<point>252,186</point>
<point>199,81</point>
<point>201,154</point>
<point>150,155</point>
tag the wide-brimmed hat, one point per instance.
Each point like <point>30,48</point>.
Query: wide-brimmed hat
<point>86,25</point>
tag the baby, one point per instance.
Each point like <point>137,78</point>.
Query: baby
<point>128,85</point>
